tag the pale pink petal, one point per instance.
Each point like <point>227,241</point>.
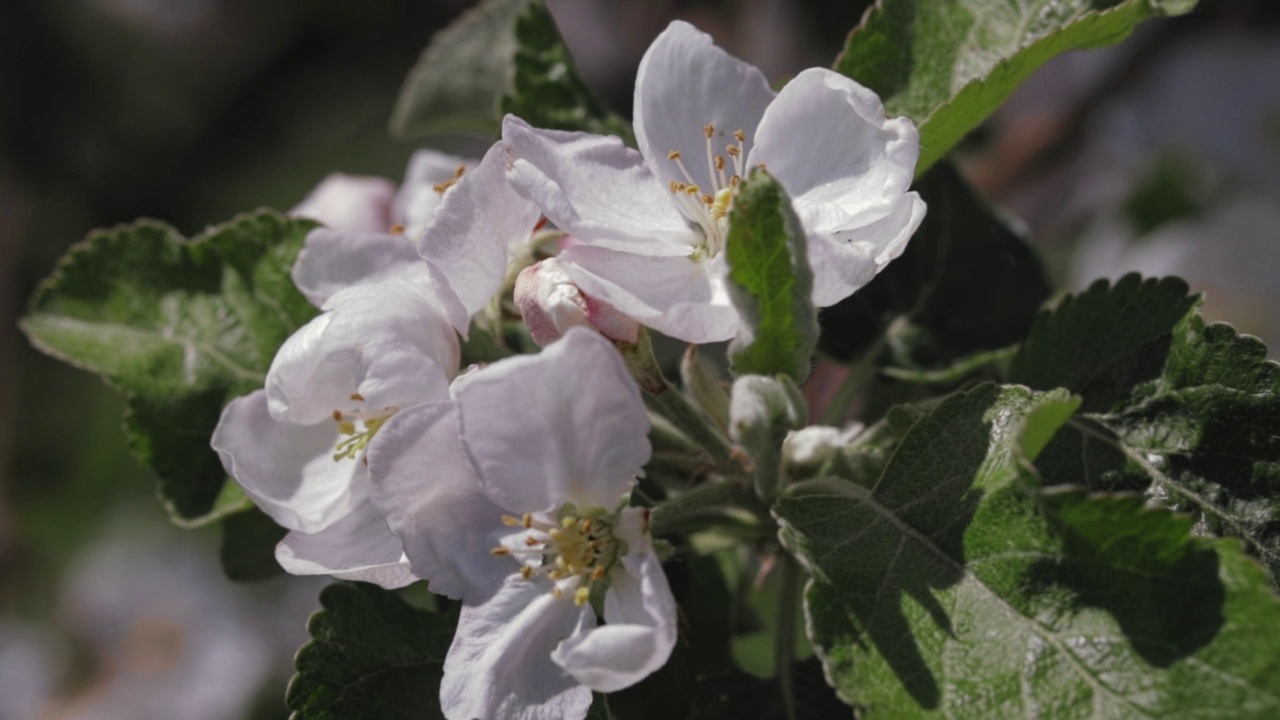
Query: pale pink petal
<point>349,202</point>
<point>357,547</point>
<point>333,260</point>
<point>301,386</point>
<point>565,425</point>
<point>417,199</point>
<point>551,303</point>
<point>288,469</point>
<point>686,82</point>
<point>499,666</point>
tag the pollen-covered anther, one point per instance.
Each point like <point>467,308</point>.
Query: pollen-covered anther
<point>573,552</point>
<point>353,441</point>
<point>457,174</point>
<point>397,229</point>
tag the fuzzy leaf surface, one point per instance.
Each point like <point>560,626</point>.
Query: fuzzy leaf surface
<point>948,65</point>
<point>179,327</point>
<point>955,588</point>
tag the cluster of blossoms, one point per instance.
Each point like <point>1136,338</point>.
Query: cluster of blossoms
<point>388,463</point>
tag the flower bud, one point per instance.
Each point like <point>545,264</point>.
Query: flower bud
<point>551,303</point>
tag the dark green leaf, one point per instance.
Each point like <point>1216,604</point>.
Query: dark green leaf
<point>1102,342</point>
<point>372,655</point>
<point>179,327</point>
<point>248,550</point>
<point>947,66</point>
<point>770,282</point>
<point>462,75</point>
<point>949,591</point>
<point>547,90</point>
<point>966,284</point>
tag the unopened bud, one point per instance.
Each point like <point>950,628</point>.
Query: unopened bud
<point>551,303</point>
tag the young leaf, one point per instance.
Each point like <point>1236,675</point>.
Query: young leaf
<point>948,66</point>
<point>966,284</point>
<point>770,282</point>
<point>372,655</point>
<point>179,327</point>
<point>947,591</point>
<point>547,90</point>
<point>462,75</point>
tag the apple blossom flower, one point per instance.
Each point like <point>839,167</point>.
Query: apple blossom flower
<point>523,515</point>
<point>298,446</point>
<point>652,224</point>
<point>371,229</point>
<point>551,303</point>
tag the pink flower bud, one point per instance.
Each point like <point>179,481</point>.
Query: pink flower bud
<point>551,303</point>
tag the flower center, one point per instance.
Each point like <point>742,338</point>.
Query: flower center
<point>352,441</point>
<point>575,552</point>
<point>708,208</point>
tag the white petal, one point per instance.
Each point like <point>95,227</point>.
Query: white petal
<point>332,260</point>
<point>565,425</point>
<point>676,296</point>
<point>499,666</point>
<point>430,494</point>
<point>394,340</point>
<point>684,83</point>
<point>349,202</point>
<point>301,386</point>
<point>287,469</point>
<point>470,235</point>
<point>850,164</point>
<point>596,189</point>
<point>357,547</point>
<point>418,199</point>
<point>640,633</point>
<point>848,259</point>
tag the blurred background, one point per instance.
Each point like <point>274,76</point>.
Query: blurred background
<point>1161,154</point>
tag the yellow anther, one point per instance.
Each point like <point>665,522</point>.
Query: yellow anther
<point>568,521</point>
<point>719,163</point>
<point>511,521</point>
<point>397,229</point>
<point>707,200</point>
<point>526,572</point>
<point>693,190</point>
<point>337,416</point>
<point>598,572</point>
<point>675,186</point>
<point>555,593</point>
<point>530,541</point>
<point>581,595</point>
<point>709,130</point>
<point>585,525</point>
<point>346,427</point>
<point>673,155</point>
<point>457,173</point>
<point>527,520</point>
<point>733,181</point>
<point>733,150</point>
<point>739,136</point>
<point>357,397</point>
<point>499,551</point>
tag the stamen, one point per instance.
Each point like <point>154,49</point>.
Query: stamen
<point>357,397</point>
<point>499,551</point>
<point>511,521</point>
<point>348,448</point>
<point>457,173</point>
<point>707,132</point>
<point>581,596</point>
<point>397,229</point>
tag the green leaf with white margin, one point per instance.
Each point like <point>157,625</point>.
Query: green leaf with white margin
<point>947,66</point>
<point>770,282</point>
<point>546,89</point>
<point>462,74</point>
<point>179,327</point>
<point>372,655</point>
<point>954,588</point>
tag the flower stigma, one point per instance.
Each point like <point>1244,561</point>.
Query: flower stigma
<point>708,208</point>
<point>352,441</point>
<point>575,553</point>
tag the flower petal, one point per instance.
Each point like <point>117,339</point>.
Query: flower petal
<point>471,235</point>
<point>686,82</point>
<point>288,469</point>
<point>418,198</point>
<point>332,260</point>
<point>301,386</point>
<point>676,296</point>
<point>357,547</point>
<point>596,189</point>
<point>349,202</point>
<point>640,613</point>
<point>430,494</point>
<point>499,666</point>
<point>393,339</point>
<point>843,261</point>
<point>580,434</point>
<point>851,163</point>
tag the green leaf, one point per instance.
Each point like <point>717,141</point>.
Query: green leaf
<point>770,282</point>
<point>547,90</point>
<point>967,284</point>
<point>954,589</point>
<point>371,655</point>
<point>947,66</point>
<point>179,327</point>
<point>1103,341</point>
<point>248,550</point>
<point>462,75</point>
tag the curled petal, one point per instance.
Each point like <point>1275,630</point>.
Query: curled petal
<point>288,469</point>
<point>357,547</point>
<point>580,435</point>
<point>350,202</point>
<point>551,303</point>
<point>301,386</point>
<point>499,666</point>
<point>640,617</point>
<point>843,261</point>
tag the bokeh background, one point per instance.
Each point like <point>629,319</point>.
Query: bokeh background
<point>1161,154</point>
